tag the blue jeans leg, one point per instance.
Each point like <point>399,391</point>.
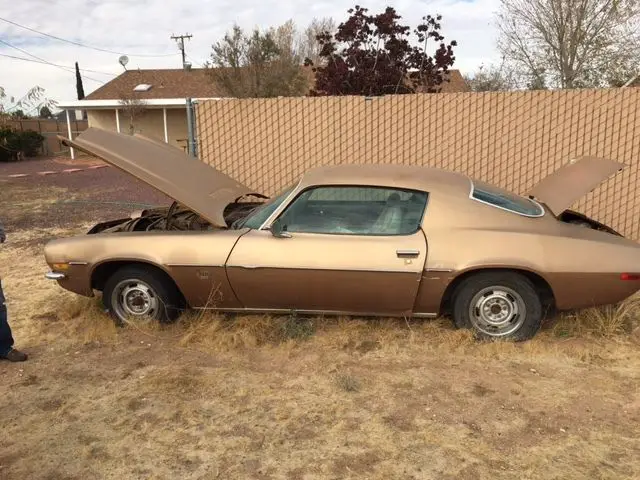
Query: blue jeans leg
<point>6,339</point>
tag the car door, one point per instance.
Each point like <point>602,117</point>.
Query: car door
<point>348,249</point>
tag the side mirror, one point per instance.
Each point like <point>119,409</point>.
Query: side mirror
<point>279,230</point>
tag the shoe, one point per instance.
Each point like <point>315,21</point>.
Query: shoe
<point>15,356</point>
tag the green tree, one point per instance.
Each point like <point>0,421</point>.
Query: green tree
<point>45,112</point>
<point>79,86</point>
<point>265,63</point>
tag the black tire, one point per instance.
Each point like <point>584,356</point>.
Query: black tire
<point>520,309</point>
<point>159,290</point>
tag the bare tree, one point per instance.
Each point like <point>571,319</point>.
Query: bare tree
<point>132,108</point>
<point>568,43</point>
<point>287,64</point>
<point>310,46</point>
<point>34,100</point>
<point>491,79</point>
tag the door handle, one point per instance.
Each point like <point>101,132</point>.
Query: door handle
<point>408,253</point>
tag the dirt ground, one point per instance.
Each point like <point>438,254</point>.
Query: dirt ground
<point>278,398</point>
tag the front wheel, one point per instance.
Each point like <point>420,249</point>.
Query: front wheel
<point>498,306</point>
<point>136,294</point>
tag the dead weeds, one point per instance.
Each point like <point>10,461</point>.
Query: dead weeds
<point>583,336</point>
<point>238,397</point>
<point>611,321</point>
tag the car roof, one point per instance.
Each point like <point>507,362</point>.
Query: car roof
<point>414,177</point>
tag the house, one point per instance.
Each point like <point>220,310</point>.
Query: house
<point>149,102</point>
<point>153,102</point>
<point>455,83</point>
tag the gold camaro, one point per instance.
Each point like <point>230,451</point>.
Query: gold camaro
<point>361,240</point>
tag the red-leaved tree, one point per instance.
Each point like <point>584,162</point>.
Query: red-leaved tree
<point>374,55</point>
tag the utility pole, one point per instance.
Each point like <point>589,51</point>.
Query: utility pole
<point>180,40</point>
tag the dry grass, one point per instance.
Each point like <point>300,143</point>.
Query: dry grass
<point>284,397</point>
<point>606,322</point>
<point>348,382</point>
<point>69,319</point>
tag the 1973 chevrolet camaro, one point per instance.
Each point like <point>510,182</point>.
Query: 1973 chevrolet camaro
<point>352,239</point>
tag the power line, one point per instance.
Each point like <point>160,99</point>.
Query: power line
<point>51,63</point>
<point>83,45</point>
<point>46,61</point>
<point>201,65</point>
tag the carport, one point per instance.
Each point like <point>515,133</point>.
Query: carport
<point>168,119</point>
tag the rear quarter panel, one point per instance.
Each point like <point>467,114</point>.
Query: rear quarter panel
<point>581,266</point>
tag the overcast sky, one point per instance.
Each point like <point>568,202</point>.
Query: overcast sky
<point>145,27</point>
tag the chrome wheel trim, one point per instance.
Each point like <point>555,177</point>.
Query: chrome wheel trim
<point>133,299</point>
<point>497,311</point>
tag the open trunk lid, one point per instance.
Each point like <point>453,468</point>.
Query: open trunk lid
<point>561,189</point>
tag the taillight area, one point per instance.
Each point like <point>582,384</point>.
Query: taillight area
<point>630,276</point>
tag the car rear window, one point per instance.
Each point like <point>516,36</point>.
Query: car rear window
<point>497,197</point>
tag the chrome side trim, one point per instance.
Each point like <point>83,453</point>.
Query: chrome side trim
<point>425,315</point>
<point>78,263</point>
<point>55,276</point>
<point>364,270</point>
<point>193,265</point>
<point>438,270</point>
<point>318,312</point>
<point>267,223</point>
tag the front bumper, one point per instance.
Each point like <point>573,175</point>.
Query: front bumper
<point>77,280</point>
<point>55,276</point>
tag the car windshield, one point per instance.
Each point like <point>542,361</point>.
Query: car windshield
<point>257,217</point>
<point>497,197</point>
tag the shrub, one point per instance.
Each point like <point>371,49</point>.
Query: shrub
<point>13,142</point>
<point>29,142</point>
<point>348,382</point>
<point>6,154</point>
<point>294,328</point>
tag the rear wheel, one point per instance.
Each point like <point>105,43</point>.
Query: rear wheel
<point>136,294</point>
<point>498,305</point>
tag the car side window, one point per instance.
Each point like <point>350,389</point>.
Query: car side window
<point>355,210</point>
<point>497,197</point>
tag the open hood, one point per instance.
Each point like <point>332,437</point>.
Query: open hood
<point>571,182</point>
<point>187,180</point>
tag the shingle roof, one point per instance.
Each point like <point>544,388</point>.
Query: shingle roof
<point>456,83</point>
<point>195,83</point>
<point>165,83</point>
